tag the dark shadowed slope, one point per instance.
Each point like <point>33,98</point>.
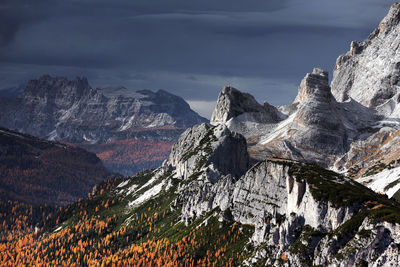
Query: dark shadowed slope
<point>36,171</point>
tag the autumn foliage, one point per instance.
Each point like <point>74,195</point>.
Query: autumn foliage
<point>130,156</point>
<point>96,232</point>
<point>95,242</point>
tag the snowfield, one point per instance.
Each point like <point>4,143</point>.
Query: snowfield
<point>383,182</point>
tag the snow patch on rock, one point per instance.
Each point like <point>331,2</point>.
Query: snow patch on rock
<point>155,190</point>
<point>386,181</point>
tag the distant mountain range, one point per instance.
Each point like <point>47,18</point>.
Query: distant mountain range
<point>39,172</point>
<point>129,133</point>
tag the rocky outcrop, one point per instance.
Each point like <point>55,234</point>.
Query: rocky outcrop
<point>314,128</point>
<point>315,85</point>
<point>297,215</point>
<point>205,145</point>
<point>243,114</point>
<point>318,118</point>
<point>209,159</point>
<point>370,72</point>
<point>232,103</point>
<point>369,76</point>
<point>275,191</point>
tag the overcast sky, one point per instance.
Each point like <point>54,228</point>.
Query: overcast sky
<point>187,47</point>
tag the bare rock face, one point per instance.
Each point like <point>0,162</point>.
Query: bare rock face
<point>370,72</point>
<point>314,128</point>
<point>209,145</point>
<point>295,216</point>
<point>209,159</point>
<point>277,197</point>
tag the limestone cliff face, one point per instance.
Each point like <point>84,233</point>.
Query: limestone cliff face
<point>285,204</point>
<point>314,85</point>
<point>270,189</point>
<point>370,72</point>
<point>208,159</point>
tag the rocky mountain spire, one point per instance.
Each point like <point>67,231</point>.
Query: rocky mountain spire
<point>317,124</point>
<point>233,104</point>
<point>315,85</point>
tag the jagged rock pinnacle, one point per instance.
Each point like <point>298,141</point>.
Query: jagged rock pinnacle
<point>233,103</point>
<point>315,84</point>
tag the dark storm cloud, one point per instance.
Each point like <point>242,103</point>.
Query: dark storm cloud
<point>91,32</point>
<point>15,14</point>
<point>191,48</point>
